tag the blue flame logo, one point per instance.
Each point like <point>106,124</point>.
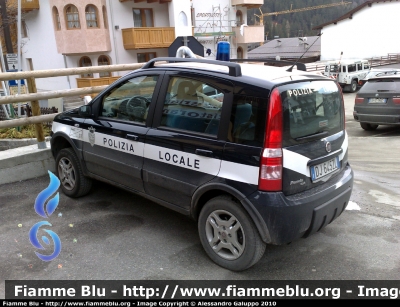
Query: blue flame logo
<point>41,210</point>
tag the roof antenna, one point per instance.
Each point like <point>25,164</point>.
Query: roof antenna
<point>291,67</point>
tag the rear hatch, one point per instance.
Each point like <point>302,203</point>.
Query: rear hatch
<point>314,141</point>
<point>379,96</point>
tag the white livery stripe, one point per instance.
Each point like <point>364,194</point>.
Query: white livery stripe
<point>239,172</point>
<point>182,159</point>
<point>215,167</point>
<point>296,162</point>
<point>115,143</point>
<point>345,146</point>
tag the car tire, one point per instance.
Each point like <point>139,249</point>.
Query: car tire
<point>228,234</point>
<point>368,127</point>
<point>353,86</point>
<point>69,171</point>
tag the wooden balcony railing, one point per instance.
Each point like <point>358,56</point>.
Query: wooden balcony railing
<point>251,34</point>
<point>26,5</point>
<point>141,38</point>
<point>90,82</point>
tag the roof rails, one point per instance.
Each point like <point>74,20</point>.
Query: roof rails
<point>266,61</point>
<point>234,68</point>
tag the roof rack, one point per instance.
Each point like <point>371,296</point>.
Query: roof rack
<point>234,68</point>
<point>266,61</point>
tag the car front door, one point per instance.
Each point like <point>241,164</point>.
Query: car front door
<point>114,138</point>
<point>184,148</point>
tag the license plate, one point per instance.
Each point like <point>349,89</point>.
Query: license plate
<point>377,100</point>
<point>320,170</point>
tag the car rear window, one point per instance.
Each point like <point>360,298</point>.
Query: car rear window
<point>381,84</point>
<point>311,110</point>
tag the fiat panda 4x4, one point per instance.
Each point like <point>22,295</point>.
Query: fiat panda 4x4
<point>255,154</point>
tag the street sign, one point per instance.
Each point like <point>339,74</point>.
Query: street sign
<point>12,60</point>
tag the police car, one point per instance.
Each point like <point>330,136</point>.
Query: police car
<point>255,154</point>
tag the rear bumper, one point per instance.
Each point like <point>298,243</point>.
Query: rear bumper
<point>288,218</point>
<point>389,119</point>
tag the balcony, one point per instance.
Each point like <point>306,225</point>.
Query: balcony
<point>89,82</point>
<point>145,38</point>
<point>26,5</point>
<point>248,3</point>
<point>251,34</point>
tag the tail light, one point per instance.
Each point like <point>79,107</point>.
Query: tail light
<point>396,100</point>
<point>358,100</point>
<point>270,178</point>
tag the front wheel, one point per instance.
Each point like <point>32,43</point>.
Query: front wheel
<point>69,171</point>
<point>228,234</point>
<point>368,127</point>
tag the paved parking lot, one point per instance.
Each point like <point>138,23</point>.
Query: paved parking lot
<point>113,235</point>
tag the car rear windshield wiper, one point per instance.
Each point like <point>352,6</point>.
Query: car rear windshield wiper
<point>313,135</point>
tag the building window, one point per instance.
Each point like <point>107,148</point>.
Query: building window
<point>182,19</point>
<point>85,62</point>
<point>105,17</point>
<point>72,15</point>
<point>91,16</point>
<point>145,57</point>
<point>239,53</point>
<point>104,60</point>
<point>143,18</point>
<point>56,19</point>
<point>239,18</point>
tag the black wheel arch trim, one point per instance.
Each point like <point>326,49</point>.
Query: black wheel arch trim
<point>247,205</point>
<point>67,139</point>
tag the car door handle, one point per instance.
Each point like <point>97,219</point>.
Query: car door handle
<point>202,152</point>
<point>132,137</point>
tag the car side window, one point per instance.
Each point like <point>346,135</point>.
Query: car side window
<point>130,100</point>
<point>192,105</point>
<point>352,67</point>
<point>359,66</point>
<point>247,120</point>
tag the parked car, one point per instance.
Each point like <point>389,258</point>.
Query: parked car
<point>378,102</point>
<point>378,72</point>
<point>255,154</point>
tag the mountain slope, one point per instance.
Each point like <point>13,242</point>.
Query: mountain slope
<point>299,23</point>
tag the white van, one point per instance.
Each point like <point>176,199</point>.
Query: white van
<point>347,72</point>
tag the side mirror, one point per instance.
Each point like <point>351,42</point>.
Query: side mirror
<point>85,111</point>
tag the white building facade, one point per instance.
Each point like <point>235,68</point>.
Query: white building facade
<point>225,20</point>
<point>78,33</point>
<point>370,30</point>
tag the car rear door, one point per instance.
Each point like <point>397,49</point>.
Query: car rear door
<point>315,142</point>
<point>184,148</point>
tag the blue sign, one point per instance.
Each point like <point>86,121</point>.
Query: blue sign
<point>14,82</point>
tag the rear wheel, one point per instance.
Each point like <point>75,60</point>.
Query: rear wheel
<point>229,235</point>
<point>368,127</point>
<point>69,171</point>
<point>353,86</point>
